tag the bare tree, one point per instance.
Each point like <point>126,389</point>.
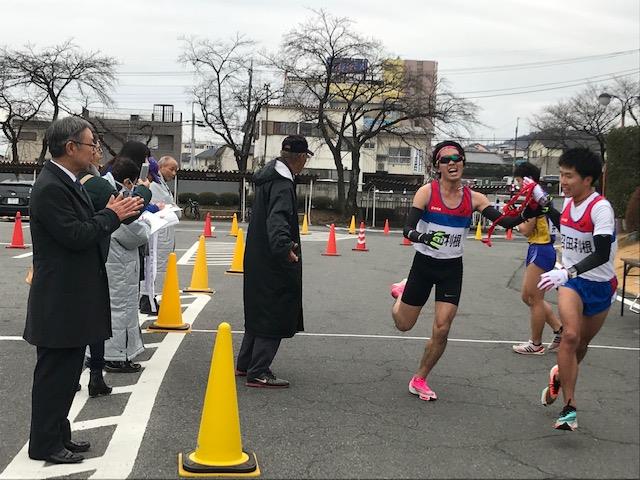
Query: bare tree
<point>577,120</point>
<point>61,70</point>
<point>19,104</point>
<point>225,93</point>
<point>354,91</point>
<point>627,91</point>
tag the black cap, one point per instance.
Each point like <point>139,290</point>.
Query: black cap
<point>296,144</point>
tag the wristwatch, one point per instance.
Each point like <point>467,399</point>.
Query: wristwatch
<point>572,271</point>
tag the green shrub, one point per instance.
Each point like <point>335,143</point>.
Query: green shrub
<point>228,199</point>
<point>623,174</point>
<point>208,198</point>
<point>322,203</point>
<point>184,197</point>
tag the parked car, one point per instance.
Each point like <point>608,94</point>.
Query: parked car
<point>14,197</point>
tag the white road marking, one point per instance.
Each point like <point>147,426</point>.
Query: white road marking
<point>26,244</point>
<point>218,253</point>
<point>403,337</point>
<point>120,455</point>
<point>24,255</point>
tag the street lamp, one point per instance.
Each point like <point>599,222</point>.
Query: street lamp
<point>605,98</point>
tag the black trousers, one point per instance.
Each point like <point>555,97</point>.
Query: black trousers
<point>96,361</point>
<point>55,379</point>
<point>257,354</point>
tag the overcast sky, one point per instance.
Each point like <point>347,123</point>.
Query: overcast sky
<point>458,34</point>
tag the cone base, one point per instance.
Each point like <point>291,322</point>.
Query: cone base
<point>406,244</point>
<point>360,249</point>
<point>188,468</point>
<point>303,233</point>
<point>183,328</point>
<point>208,236</point>
<point>234,272</point>
<point>198,290</point>
<point>330,254</point>
<point>17,246</point>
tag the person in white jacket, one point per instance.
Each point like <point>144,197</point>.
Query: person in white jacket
<point>162,172</point>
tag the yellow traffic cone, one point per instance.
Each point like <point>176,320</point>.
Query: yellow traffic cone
<point>234,226</point>
<point>170,313</point>
<point>200,275</point>
<point>219,448</point>
<point>479,230</point>
<point>352,226</point>
<point>305,226</point>
<point>237,264</point>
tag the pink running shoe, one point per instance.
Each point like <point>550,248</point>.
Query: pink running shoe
<point>418,386</point>
<point>398,288</point>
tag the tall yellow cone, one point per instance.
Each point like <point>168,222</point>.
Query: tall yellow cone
<point>479,230</point>
<point>219,448</point>
<point>234,226</point>
<point>200,275</point>
<point>237,264</point>
<point>305,226</point>
<point>352,226</point>
<point>170,313</point>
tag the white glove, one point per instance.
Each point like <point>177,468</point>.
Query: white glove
<point>539,195</point>
<point>553,279</point>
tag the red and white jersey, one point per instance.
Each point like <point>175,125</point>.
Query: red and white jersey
<point>578,225</point>
<point>454,222</point>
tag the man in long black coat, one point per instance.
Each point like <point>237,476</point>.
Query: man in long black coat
<point>69,298</point>
<point>272,266</point>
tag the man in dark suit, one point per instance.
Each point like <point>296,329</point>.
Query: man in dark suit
<point>69,298</point>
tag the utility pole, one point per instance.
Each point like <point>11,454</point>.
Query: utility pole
<point>515,145</point>
<point>193,137</point>
<point>266,122</point>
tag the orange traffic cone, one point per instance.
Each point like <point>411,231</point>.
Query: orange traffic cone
<point>509,234</point>
<point>386,227</point>
<point>332,251</point>
<point>206,233</point>
<point>406,242</point>
<point>18,239</point>
<point>361,246</point>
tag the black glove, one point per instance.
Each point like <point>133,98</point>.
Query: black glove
<point>434,239</point>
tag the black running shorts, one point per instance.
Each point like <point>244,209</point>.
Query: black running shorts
<point>445,274</point>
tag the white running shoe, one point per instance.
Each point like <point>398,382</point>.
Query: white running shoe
<point>528,348</point>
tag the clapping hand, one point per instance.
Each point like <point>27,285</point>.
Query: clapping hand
<point>125,207</point>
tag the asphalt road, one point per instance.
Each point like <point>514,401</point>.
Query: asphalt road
<point>348,413</point>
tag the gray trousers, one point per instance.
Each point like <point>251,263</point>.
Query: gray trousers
<point>256,354</point>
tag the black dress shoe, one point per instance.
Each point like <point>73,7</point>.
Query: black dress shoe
<point>122,367</point>
<point>77,446</point>
<point>64,456</point>
<point>145,305</point>
<point>78,388</point>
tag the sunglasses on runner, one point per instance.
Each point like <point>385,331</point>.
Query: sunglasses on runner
<point>449,158</point>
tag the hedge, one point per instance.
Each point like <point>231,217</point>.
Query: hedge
<point>228,199</point>
<point>183,198</point>
<point>623,174</point>
<point>208,198</point>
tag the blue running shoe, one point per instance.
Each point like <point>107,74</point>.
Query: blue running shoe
<point>568,419</point>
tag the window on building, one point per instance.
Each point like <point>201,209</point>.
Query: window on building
<point>310,130</point>
<point>28,136</point>
<point>534,154</point>
<point>285,128</point>
<point>370,145</point>
<point>400,155</point>
<point>165,142</point>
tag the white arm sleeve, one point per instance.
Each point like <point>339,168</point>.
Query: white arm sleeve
<point>603,218</point>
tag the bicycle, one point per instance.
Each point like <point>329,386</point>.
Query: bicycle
<point>194,209</point>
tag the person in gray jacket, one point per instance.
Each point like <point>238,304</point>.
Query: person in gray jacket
<point>123,272</point>
<point>162,172</point>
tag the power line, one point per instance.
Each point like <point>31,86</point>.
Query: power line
<point>601,76</point>
<point>541,89</point>
<point>465,70</point>
<point>547,63</point>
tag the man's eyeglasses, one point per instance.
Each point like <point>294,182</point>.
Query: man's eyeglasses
<point>451,158</point>
<point>95,146</point>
